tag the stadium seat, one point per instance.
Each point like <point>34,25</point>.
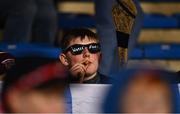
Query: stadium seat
<point>31,50</point>
<point>160,21</point>
<point>161,51</point>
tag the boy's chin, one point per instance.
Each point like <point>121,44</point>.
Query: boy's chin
<point>88,74</point>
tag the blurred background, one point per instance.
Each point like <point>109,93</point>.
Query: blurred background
<point>158,41</point>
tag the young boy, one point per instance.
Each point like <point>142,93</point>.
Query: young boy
<point>81,53</point>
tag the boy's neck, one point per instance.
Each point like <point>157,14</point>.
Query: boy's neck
<point>90,77</point>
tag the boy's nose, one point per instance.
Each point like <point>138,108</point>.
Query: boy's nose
<point>86,53</point>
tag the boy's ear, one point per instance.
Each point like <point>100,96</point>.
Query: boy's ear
<point>63,59</point>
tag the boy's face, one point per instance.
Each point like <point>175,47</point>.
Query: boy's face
<point>86,60</point>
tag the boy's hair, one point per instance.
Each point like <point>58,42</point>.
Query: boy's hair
<point>78,32</point>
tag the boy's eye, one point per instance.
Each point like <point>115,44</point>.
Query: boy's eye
<point>93,46</point>
<point>77,49</point>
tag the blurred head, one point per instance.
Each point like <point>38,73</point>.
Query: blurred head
<point>146,93</point>
<point>40,90</point>
<point>143,91</point>
<point>81,46</point>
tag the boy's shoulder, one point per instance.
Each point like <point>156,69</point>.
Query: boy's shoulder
<point>104,79</point>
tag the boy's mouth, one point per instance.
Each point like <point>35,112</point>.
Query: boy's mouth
<point>86,63</point>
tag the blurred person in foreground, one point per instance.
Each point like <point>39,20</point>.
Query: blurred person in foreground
<point>81,53</point>
<point>34,89</point>
<point>144,91</point>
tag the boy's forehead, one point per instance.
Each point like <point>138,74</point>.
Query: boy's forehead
<point>85,40</point>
